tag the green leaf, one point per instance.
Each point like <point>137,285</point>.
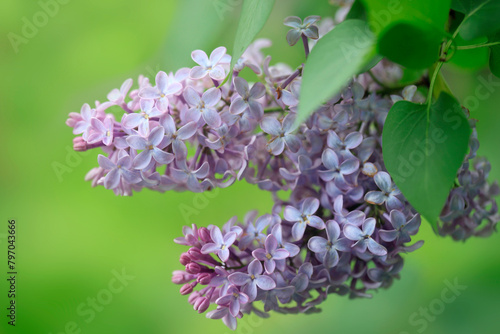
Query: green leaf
<point>336,58</point>
<point>357,11</point>
<point>423,152</point>
<point>495,55</point>
<point>409,32</point>
<point>254,15</point>
<point>481,17</point>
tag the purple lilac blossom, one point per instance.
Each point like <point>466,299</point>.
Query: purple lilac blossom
<point>332,167</point>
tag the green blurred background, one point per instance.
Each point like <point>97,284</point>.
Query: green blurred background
<point>71,237</point>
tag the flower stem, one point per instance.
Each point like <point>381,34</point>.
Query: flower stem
<point>306,44</point>
<point>475,46</point>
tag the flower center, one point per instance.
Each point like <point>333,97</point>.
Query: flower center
<point>269,256</point>
<point>252,277</point>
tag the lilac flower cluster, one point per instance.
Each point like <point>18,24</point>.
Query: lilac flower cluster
<point>345,224</point>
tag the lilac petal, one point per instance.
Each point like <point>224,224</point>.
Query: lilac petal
<point>125,161</point>
<point>293,142</point>
<point>291,248</point>
<point>331,258</point>
<point>234,307</point>
<point>168,124</point>
<point>198,72</point>
<point>375,197</point>
<point>316,222</point>
<point>327,175</point>
<point>269,265</point>
<point>349,166</point>
<point>388,236</point>
<point>130,121</point>
<point>202,171</point>
<point>241,86</point>
<point>298,230</point>
<point>311,19</point>
<point>256,109</point>
<point>239,278</point>
<point>173,88</point>
<point>97,125</point>
<point>292,214</point>
<point>223,254</point>
<point>179,175</point>
<point>193,114</point>
<point>250,290</point>
<point>277,146</point>
<point>343,245</point>
<point>332,230</point>
<point>156,135</point>
<point>310,206</point>
<point>369,226</point>
<point>333,140</point>
<point>271,243</point>
<point>217,55</point>
<point>262,222</point>
<point>238,106</point>
<point>162,157</point>
<point>356,217</point>
<point>180,149</point>
<point>224,299</point>
<point>338,204</point>
<point>217,73</point>
<point>243,299</point>
<point>393,203</point>
<point>330,159</point>
<point>288,122</point>
<point>143,159</point>
<point>376,248</point>
<point>353,139</point>
<point>229,238</point>
<point>398,219</point>
<point>361,245</point>
<point>212,117</point>
<point>162,81</point>
<point>413,225</point>
<point>200,57</point>
<point>280,254</point>
<point>105,163</point>
<point>216,235</point>
<point>255,268</point>
<point>131,177</point>
<point>369,169</point>
<point>187,131</point>
<point>144,127</point>
<point>383,181</point>
<point>86,112</point>
<point>353,232</point>
<point>210,248</point>
<point>211,97</point>
<point>258,90</point>
<point>112,179</point>
<point>259,254</point>
<point>293,21</point>
<point>149,93</point>
<point>293,36</point>
<point>265,282</point>
<point>191,96</point>
<point>271,126</point>
<point>317,244</point>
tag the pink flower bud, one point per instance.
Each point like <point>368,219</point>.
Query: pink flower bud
<point>201,304</point>
<point>193,268</point>
<point>185,259</point>
<point>79,144</point>
<point>193,297</point>
<point>204,234</point>
<point>181,277</point>
<point>195,253</point>
<point>186,289</point>
<point>204,278</point>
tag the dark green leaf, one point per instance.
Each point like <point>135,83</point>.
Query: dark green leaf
<point>357,11</point>
<point>254,15</point>
<point>495,54</point>
<point>409,32</point>
<point>481,17</point>
<point>418,52</point>
<point>423,153</point>
<point>336,58</point>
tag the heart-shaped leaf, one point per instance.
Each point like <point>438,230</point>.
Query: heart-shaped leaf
<point>334,60</point>
<point>423,151</point>
<point>409,32</point>
<point>481,17</point>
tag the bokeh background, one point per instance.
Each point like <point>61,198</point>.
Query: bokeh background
<point>71,237</point>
